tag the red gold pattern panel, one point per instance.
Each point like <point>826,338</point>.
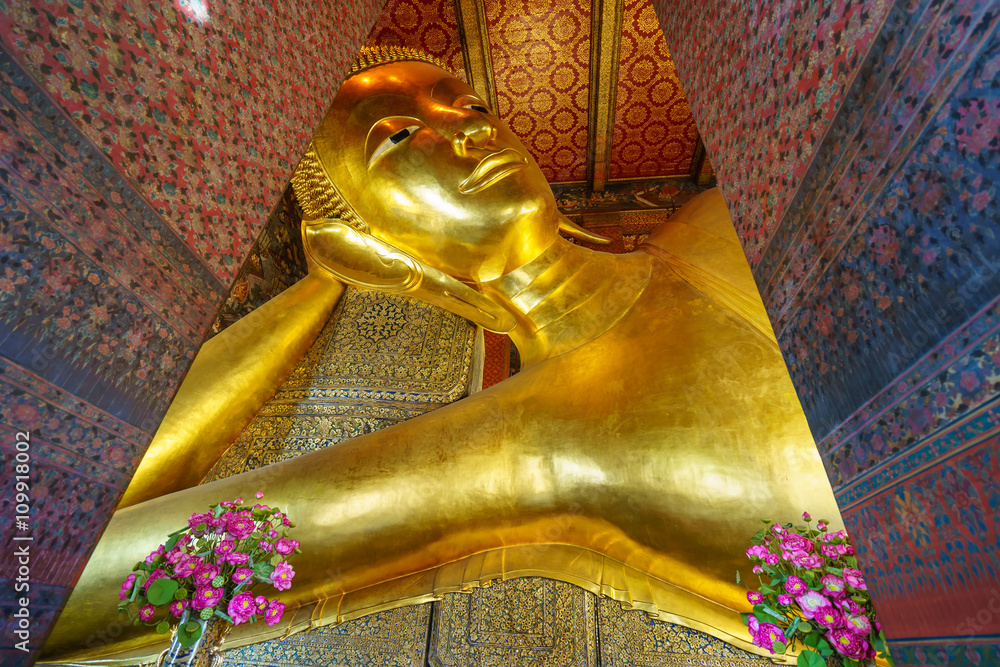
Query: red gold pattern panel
<point>427,25</point>
<point>654,132</point>
<point>541,66</point>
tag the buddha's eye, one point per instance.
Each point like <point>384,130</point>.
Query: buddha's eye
<point>391,141</point>
<point>477,107</point>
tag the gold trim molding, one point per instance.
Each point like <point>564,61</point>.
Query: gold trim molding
<point>605,45</point>
<point>472,29</point>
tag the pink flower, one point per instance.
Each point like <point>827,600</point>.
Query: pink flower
<point>265,546</point>
<point>147,612</point>
<point>757,551</point>
<point>785,599</point>
<point>855,579</point>
<point>772,559</point>
<point>240,526</point>
<point>272,534</point>
<point>828,617</point>
<point>205,574</point>
<point>795,586</point>
<point>844,549</point>
<point>807,561</point>
<point>187,566</point>
<point>847,643</point>
<point>777,530</point>
<point>282,576</point>
<point>237,558</point>
<point>767,634</point>
<point>830,551</point>
<point>225,546</point>
<point>286,545</point>
<point>206,597</point>
<point>811,602</point>
<point>754,597</point>
<point>850,606</point>
<point>200,523</point>
<point>274,612</point>
<point>285,522</point>
<point>757,569</point>
<point>259,494</point>
<point>126,590</point>
<point>795,542</point>
<point>822,525</point>
<point>859,625</point>
<point>242,607</point>
<point>242,574</point>
<point>177,607</point>
<point>806,516</point>
<point>261,602</point>
<point>833,586</point>
<point>174,555</point>
<point>151,557</point>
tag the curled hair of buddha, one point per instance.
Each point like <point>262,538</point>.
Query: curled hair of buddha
<point>373,56</point>
<point>317,193</point>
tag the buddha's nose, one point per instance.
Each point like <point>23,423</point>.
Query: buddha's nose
<point>475,130</point>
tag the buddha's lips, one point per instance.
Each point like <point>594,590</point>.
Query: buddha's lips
<point>491,169</point>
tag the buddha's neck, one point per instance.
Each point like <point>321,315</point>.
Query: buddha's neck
<point>567,296</point>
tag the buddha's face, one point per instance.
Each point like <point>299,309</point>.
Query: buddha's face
<point>433,171</point>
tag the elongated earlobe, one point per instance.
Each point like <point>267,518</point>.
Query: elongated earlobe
<point>363,260</point>
<point>570,228</point>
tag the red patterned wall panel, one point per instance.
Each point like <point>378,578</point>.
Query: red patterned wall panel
<point>427,25</point>
<point>541,66</point>
<point>654,132</point>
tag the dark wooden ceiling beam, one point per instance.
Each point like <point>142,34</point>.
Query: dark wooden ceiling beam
<point>605,45</point>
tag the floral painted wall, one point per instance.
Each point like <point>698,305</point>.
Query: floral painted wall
<point>857,147</point>
<point>142,147</point>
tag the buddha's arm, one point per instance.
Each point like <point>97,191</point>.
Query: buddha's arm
<point>234,374</point>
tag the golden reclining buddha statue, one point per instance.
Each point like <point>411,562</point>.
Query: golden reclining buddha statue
<point>652,426</point>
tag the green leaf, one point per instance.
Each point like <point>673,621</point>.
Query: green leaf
<point>790,632</point>
<point>766,590</point>
<point>179,531</point>
<point>171,543</point>
<point>219,509</point>
<point>763,610</point>
<point>163,627</point>
<point>834,570</point>
<point>745,617</point>
<point>778,648</point>
<point>161,591</point>
<point>809,640</point>
<point>810,659</point>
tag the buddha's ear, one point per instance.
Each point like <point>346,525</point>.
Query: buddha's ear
<point>362,260</point>
<point>570,228</point>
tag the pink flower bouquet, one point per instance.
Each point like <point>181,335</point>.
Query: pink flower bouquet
<point>815,595</point>
<point>212,567</point>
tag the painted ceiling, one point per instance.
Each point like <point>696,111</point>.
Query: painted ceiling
<point>588,85</point>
